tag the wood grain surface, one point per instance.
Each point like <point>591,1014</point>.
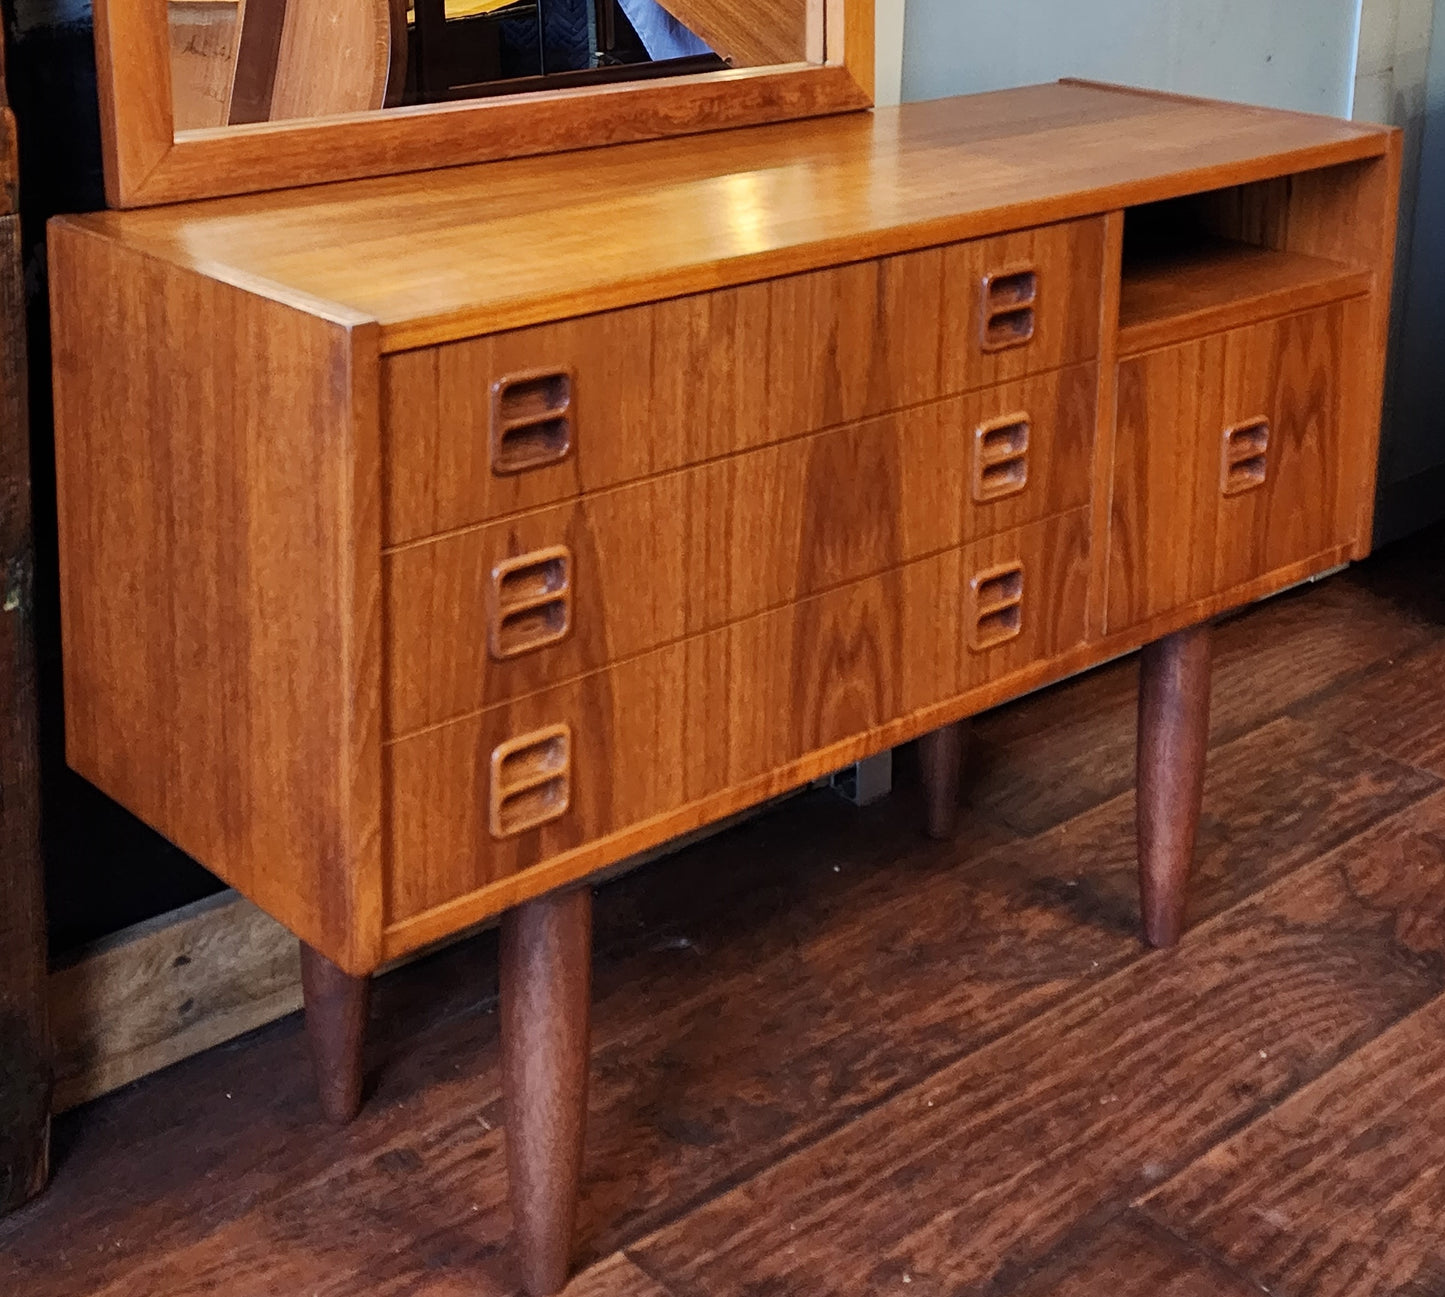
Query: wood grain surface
<point>203,39</point>
<point>165,990</point>
<point>337,1008</point>
<point>1102,1102</point>
<point>220,551</point>
<point>1176,530</point>
<point>545,1006</point>
<point>686,553</point>
<point>1222,285</point>
<point>693,719</point>
<point>1174,688</point>
<point>1270,662</point>
<point>1394,710</point>
<point>750,34</point>
<point>727,371</point>
<point>940,756</point>
<point>615,1277</point>
<point>467,250</point>
<point>334,57</point>
<point>1133,1256</point>
<point>1338,213</point>
<point>746,491</point>
<point>1338,1190</point>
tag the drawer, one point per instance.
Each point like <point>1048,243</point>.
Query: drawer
<point>497,611</point>
<point>477,429</point>
<point>482,798</point>
<point>1229,462</point>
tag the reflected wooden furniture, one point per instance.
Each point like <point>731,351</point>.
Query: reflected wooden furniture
<point>422,557</point>
<point>203,60</point>
<point>246,61</point>
<point>754,33</point>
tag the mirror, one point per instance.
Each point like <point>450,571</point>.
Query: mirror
<point>241,62</point>
<point>206,98</point>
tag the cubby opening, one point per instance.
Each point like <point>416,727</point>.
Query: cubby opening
<point>1222,259</point>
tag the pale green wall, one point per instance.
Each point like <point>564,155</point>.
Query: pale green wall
<point>1285,53</point>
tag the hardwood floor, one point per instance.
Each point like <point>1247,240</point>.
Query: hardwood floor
<point>831,1056</point>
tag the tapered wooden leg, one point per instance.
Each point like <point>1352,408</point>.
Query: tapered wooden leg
<point>940,755</point>
<point>546,992</point>
<point>1173,735</point>
<point>336,1006</point>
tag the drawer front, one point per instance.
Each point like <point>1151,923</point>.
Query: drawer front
<point>1229,462</point>
<point>512,607</point>
<point>477,429</point>
<point>482,798</point>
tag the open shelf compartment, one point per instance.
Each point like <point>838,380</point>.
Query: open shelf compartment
<point>1185,276</point>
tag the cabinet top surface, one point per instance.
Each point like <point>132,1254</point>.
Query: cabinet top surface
<point>467,250</point>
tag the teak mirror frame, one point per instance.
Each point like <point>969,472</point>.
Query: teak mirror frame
<point>145,164</point>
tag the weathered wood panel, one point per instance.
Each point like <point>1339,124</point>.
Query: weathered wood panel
<point>219,519</point>
<point>24,1046</point>
<point>165,990</point>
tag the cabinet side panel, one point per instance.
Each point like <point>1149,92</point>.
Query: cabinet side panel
<point>220,571</point>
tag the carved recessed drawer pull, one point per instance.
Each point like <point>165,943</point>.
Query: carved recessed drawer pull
<point>995,606</point>
<point>1246,456</point>
<point>531,420</point>
<point>1010,298</point>
<point>530,602</point>
<point>531,781</point>
<point>1000,457</point>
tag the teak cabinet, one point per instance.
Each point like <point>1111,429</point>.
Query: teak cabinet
<point>1229,460</point>
<point>430,543</point>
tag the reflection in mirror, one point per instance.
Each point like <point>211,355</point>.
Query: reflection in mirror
<point>239,61</point>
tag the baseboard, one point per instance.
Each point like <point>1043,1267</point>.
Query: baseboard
<point>199,976</point>
<point>165,989</point>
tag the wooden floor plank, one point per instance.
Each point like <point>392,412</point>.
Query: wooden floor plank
<point>1399,710</point>
<point>755,1063</point>
<point>1132,1256</point>
<point>615,1277</point>
<point>436,1165</point>
<point>1091,1102</point>
<point>1273,799</point>
<point>1341,1191</point>
<point>1034,766</point>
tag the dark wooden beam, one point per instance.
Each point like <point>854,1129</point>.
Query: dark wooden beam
<point>24,1044</point>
